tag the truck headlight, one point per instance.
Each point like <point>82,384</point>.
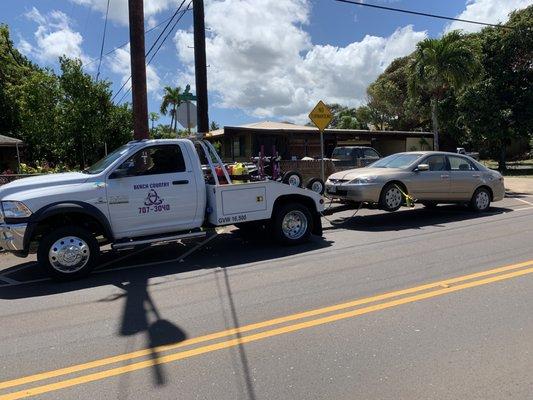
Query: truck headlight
<point>15,209</point>
<point>362,180</point>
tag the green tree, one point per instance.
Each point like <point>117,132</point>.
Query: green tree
<point>171,100</point>
<point>214,126</point>
<point>497,109</point>
<point>440,65</point>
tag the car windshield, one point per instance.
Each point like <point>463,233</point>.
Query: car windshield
<point>105,162</point>
<point>400,160</point>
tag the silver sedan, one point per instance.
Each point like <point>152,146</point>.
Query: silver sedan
<point>428,177</point>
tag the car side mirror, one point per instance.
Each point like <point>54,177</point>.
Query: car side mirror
<point>422,167</point>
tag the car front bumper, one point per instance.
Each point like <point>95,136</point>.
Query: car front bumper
<point>368,192</point>
<point>12,236</point>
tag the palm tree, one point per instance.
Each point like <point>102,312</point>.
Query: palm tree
<point>171,99</point>
<point>440,65</point>
<point>153,117</point>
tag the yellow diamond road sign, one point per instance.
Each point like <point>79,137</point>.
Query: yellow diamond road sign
<point>321,116</point>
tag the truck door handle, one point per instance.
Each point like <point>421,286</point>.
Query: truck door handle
<point>184,182</point>
<point>476,176</point>
<point>445,176</point>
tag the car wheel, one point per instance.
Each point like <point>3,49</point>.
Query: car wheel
<point>316,185</point>
<point>68,253</point>
<point>391,198</point>
<point>431,205</point>
<point>480,200</point>
<point>292,178</point>
<point>292,224</point>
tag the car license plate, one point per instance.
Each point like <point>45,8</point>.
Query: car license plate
<point>332,189</point>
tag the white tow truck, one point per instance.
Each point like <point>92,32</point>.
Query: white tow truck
<point>145,192</point>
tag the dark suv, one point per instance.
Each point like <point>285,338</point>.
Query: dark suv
<point>354,156</point>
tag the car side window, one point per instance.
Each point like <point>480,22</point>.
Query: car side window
<point>369,153</point>
<point>165,159</point>
<point>436,163</point>
<point>460,164</point>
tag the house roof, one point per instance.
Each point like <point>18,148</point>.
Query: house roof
<point>281,127</point>
<point>7,141</point>
<point>266,125</point>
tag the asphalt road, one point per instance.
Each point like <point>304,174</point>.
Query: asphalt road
<point>415,304</point>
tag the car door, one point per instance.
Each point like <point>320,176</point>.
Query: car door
<point>433,184</point>
<point>464,178</point>
<point>154,191</point>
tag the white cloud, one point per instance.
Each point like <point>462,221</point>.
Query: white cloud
<point>267,65</point>
<point>118,9</point>
<point>119,63</point>
<point>490,11</point>
<point>54,37</point>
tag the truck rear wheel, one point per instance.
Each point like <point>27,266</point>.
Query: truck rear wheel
<point>292,224</point>
<point>68,253</point>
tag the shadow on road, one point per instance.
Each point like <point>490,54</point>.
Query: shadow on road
<point>226,251</point>
<point>410,218</point>
<point>140,314</point>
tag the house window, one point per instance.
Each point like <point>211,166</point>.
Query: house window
<point>238,146</point>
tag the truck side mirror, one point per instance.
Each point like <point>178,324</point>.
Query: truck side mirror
<point>422,167</point>
<point>118,173</point>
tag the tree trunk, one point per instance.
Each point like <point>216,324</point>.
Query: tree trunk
<point>435,123</point>
<point>501,159</point>
<point>171,119</point>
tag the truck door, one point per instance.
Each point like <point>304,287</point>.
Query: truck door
<point>154,191</point>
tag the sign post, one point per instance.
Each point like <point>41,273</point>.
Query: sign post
<point>321,116</point>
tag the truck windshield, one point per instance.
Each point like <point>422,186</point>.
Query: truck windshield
<point>396,161</point>
<point>105,162</point>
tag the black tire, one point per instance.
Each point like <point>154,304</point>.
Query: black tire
<point>291,177</point>
<point>316,185</point>
<point>430,205</point>
<point>391,198</point>
<point>300,216</point>
<point>85,249</point>
<point>481,199</point>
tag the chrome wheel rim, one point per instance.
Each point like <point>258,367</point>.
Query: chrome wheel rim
<point>69,254</point>
<point>294,224</point>
<point>482,200</point>
<point>317,187</point>
<point>294,180</point>
<point>393,198</point>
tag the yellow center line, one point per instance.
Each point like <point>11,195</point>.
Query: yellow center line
<point>255,337</point>
<point>251,327</point>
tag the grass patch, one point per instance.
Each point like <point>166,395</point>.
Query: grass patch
<point>521,168</point>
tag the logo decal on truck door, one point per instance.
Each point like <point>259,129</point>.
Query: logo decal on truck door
<point>153,199</point>
<point>154,204</point>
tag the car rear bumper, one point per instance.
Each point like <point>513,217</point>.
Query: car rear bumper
<point>12,236</point>
<point>362,193</point>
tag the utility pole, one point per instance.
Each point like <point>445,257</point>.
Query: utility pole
<point>138,70</point>
<point>200,66</point>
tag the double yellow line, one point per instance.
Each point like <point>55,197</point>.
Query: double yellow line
<point>331,313</point>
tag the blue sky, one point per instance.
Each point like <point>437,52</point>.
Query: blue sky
<point>269,59</point>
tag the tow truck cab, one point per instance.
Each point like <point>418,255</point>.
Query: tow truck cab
<point>142,193</point>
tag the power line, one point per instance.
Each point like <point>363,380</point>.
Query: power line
<point>151,48</point>
<point>423,14</point>
<point>128,42</point>
<point>156,51</point>
<point>103,41</point>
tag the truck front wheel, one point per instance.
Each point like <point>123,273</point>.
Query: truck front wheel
<point>68,253</point>
<point>292,224</point>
